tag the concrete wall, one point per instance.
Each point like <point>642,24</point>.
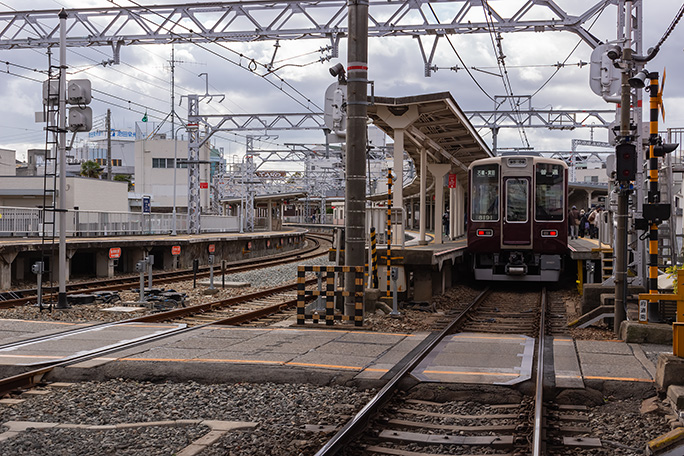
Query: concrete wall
<point>8,162</point>
<point>82,192</point>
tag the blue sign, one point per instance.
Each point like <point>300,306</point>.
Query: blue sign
<point>147,207</point>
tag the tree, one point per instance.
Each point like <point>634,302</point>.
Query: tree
<point>89,168</point>
<point>124,178</point>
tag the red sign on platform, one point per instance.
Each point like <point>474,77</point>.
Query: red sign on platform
<point>211,248</point>
<point>204,185</point>
<point>114,253</point>
<point>175,250</point>
<point>452,181</point>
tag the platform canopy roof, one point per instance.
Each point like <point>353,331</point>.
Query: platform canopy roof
<point>441,127</point>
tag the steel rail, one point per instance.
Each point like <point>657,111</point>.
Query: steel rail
<point>33,377</point>
<point>355,425</point>
<point>201,308</point>
<point>537,443</point>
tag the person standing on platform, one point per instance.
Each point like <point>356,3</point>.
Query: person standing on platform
<point>445,223</point>
<point>583,224</point>
<point>573,221</point>
<point>592,223</point>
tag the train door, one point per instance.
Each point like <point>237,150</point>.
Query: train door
<point>517,223</point>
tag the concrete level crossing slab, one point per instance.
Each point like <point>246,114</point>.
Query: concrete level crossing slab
<point>61,347</point>
<point>566,364</point>
<point>479,358</point>
<point>611,360</point>
<point>13,330</point>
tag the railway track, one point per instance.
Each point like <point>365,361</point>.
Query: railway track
<point>237,310</point>
<point>407,426</point>
<point>320,245</point>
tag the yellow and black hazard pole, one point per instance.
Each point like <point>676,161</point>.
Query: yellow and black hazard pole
<point>374,258</point>
<point>389,230</point>
<point>653,192</point>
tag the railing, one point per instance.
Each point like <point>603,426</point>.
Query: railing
<point>27,222</point>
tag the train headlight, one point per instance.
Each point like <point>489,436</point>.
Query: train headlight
<point>484,232</point>
<point>549,233</point>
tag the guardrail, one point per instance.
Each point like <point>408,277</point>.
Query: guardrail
<point>28,222</point>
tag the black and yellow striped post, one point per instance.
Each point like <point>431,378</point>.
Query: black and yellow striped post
<point>330,298</point>
<point>389,229</point>
<point>301,296</point>
<point>653,192</point>
<point>358,297</point>
<point>374,258</point>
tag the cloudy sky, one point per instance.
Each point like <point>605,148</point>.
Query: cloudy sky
<point>141,82</point>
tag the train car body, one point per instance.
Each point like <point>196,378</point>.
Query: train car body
<point>517,218</point>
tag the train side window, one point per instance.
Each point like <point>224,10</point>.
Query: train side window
<point>516,199</point>
<point>549,186</point>
<point>485,193</point>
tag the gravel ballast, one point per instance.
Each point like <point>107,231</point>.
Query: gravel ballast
<point>279,411</point>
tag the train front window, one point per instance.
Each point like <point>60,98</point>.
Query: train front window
<point>516,200</point>
<point>549,187</point>
<point>485,193</point>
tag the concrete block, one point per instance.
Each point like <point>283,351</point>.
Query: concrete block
<point>370,299</point>
<point>675,393</point>
<point>639,333</point>
<point>669,371</point>
<point>591,298</point>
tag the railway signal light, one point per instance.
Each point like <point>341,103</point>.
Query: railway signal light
<point>659,150</point>
<point>626,162</point>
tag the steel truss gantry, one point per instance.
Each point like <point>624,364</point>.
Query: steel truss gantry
<point>248,21</point>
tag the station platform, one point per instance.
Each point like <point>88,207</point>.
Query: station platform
<point>93,255</point>
<point>319,355</point>
<point>586,248</point>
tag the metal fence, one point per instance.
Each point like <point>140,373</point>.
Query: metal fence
<point>28,222</point>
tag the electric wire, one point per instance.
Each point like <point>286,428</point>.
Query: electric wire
<point>570,54</point>
<point>459,57</point>
<point>671,27</point>
<point>238,64</point>
<point>501,62</point>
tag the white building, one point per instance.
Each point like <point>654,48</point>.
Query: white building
<point>154,174</point>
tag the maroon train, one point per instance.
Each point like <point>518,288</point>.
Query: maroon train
<point>517,218</point>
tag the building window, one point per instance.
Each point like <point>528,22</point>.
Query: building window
<point>158,163</point>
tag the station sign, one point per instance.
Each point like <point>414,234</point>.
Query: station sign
<point>452,181</point>
<point>175,250</point>
<point>115,253</point>
<point>146,205</point>
<point>211,248</point>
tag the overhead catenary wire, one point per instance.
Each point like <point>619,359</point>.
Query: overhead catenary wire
<point>459,57</point>
<point>252,62</point>
<point>501,62</point>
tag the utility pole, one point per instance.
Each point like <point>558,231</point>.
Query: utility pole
<point>624,190</point>
<point>61,151</point>
<point>357,111</point>
<point>109,144</point>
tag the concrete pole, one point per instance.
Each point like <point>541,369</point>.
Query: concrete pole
<point>61,150</point>
<point>357,111</point>
<point>109,145</point>
<point>623,194</point>
<point>398,232</point>
<point>439,170</point>
<point>423,204</point>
